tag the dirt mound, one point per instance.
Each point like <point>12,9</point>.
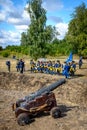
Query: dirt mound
<point>14,81</point>
<point>75,90</point>
<point>71,98</point>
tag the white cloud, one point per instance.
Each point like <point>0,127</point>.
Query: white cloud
<point>21,23</point>
<point>18,21</point>
<point>21,28</point>
<point>2,16</point>
<point>15,16</point>
<point>9,38</point>
<point>19,18</point>
<point>13,20</point>
<point>62,28</point>
<point>25,14</point>
<point>7,5</point>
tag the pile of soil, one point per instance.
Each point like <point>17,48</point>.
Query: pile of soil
<point>71,98</point>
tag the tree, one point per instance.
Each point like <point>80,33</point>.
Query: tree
<point>56,41</point>
<point>23,38</point>
<point>38,34</point>
<point>1,48</point>
<point>77,32</point>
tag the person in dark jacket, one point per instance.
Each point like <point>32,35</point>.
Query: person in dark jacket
<point>21,66</point>
<point>80,62</point>
<point>8,65</point>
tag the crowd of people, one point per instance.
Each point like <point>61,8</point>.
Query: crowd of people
<point>54,67</point>
<point>20,65</point>
<point>49,67</point>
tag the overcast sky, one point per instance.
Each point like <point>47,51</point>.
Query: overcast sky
<point>14,19</point>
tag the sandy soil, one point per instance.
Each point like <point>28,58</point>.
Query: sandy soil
<point>71,98</point>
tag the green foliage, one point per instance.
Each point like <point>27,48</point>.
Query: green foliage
<point>59,48</point>
<point>77,33</point>
<point>1,48</point>
<point>5,53</point>
<point>56,41</point>
<point>24,39</point>
<point>40,40</point>
<point>38,34</point>
<point>18,49</point>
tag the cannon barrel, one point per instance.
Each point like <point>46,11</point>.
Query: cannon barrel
<point>43,90</point>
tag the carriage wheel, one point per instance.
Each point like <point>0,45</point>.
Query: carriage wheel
<point>55,112</point>
<point>23,119</point>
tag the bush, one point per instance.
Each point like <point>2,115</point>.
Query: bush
<point>5,54</point>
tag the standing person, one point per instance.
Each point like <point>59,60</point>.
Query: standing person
<point>80,62</point>
<point>66,70</point>
<point>8,65</point>
<point>32,64</point>
<point>24,66</point>
<point>72,68</point>
<point>18,65</point>
<point>21,66</point>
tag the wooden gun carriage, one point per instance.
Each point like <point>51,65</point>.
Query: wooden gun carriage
<point>42,101</point>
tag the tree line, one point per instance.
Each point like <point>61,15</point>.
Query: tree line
<point>40,39</point>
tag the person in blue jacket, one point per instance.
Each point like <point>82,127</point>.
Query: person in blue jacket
<point>66,69</point>
<point>8,63</point>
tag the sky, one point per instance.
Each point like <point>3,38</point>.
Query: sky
<point>14,19</point>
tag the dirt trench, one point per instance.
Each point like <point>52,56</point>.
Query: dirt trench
<point>71,98</point>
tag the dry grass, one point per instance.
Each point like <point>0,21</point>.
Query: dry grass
<point>3,66</point>
<point>71,98</point>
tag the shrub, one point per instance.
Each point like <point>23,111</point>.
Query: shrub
<point>5,54</point>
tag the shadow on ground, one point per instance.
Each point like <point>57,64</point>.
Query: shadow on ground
<point>64,109</point>
<point>77,76</point>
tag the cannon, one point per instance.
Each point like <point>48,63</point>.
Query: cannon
<point>41,101</point>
